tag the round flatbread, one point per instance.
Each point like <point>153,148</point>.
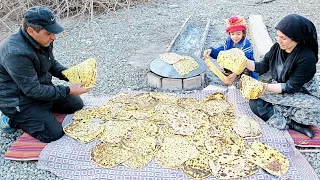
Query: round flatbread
<point>138,161</point>
<point>246,127</point>
<point>107,156</point>
<point>85,131</point>
<point>174,151</point>
<point>170,57</point>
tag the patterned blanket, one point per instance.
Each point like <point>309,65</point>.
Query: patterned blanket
<point>28,148</point>
<point>304,141</point>
<point>69,159</point>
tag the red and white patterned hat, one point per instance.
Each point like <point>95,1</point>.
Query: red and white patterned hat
<point>235,23</point>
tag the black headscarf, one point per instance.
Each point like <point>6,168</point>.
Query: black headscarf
<point>300,30</point>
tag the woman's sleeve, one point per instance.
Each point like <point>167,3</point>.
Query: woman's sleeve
<point>264,65</point>
<point>304,70</point>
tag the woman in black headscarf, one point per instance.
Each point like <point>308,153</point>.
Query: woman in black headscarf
<point>292,97</point>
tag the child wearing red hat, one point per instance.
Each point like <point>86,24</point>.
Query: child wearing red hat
<point>237,30</point>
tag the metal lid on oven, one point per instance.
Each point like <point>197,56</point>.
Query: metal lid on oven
<point>164,69</point>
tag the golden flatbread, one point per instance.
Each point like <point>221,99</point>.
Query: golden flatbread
<point>116,130</point>
<point>233,59</point>
<point>141,139</point>
<point>107,155</point>
<point>186,65</point>
<point>236,168</point>
<point>215,96</point>
<point>215,70</point>
<point>199,137</point>
<point>251,88</point>
<point>174,151</point>
<point>214,107</point>
<point>177,118</point>
<point>227,144</point>
<point>189,103</point>
<point>267,158</point>
<point>198,167</point>
<point>87,114</point>
<point>83,72</point>
<point>85,131</point>
<point>138,161</point>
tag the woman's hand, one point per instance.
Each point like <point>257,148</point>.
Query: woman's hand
<point>207,53</point>
<point>250,65</point>
<point>230,78</point>
<point>276,88</point>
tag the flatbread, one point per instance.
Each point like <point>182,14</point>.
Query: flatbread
<point>83,72</point>
<point>198,167</point>
<point>87,114</point>
<point>174,151</point>
<point>236,168</point>
<point>107,155</point>
<point>215,96</point>
<point>267,158</point>
<point>233,59</point>
<point>251,88</point>
<point>177,118</point>
<point>115,131</point>
<point>189,103</point>
<point>138,161</point>
<point>218,146</point>
<point>170,57</point>
<point>186,65</point>
<point>199,137</point>
<point>247,127</point>
<point>214,107</point>
<point>85,131</point>
<point>216,70</point>
<point>141,139</point>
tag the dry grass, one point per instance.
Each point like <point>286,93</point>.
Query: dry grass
<point>12,10</point>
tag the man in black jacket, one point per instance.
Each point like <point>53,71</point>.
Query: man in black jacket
<point>27,95</point>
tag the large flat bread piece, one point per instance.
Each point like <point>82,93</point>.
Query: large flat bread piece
<point>246,127</point>
<point>267,158</point>
<point>170,57</point>
<point>174,151</point>
<point>251,88</point>
<point>185,65</point>
<point>107,155</point>
<point>83,72</point>
<point>237,168</point>
<point>233,59</point>
<point>198,168</point>
<point>85,131</point>
<point>138,161</point>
